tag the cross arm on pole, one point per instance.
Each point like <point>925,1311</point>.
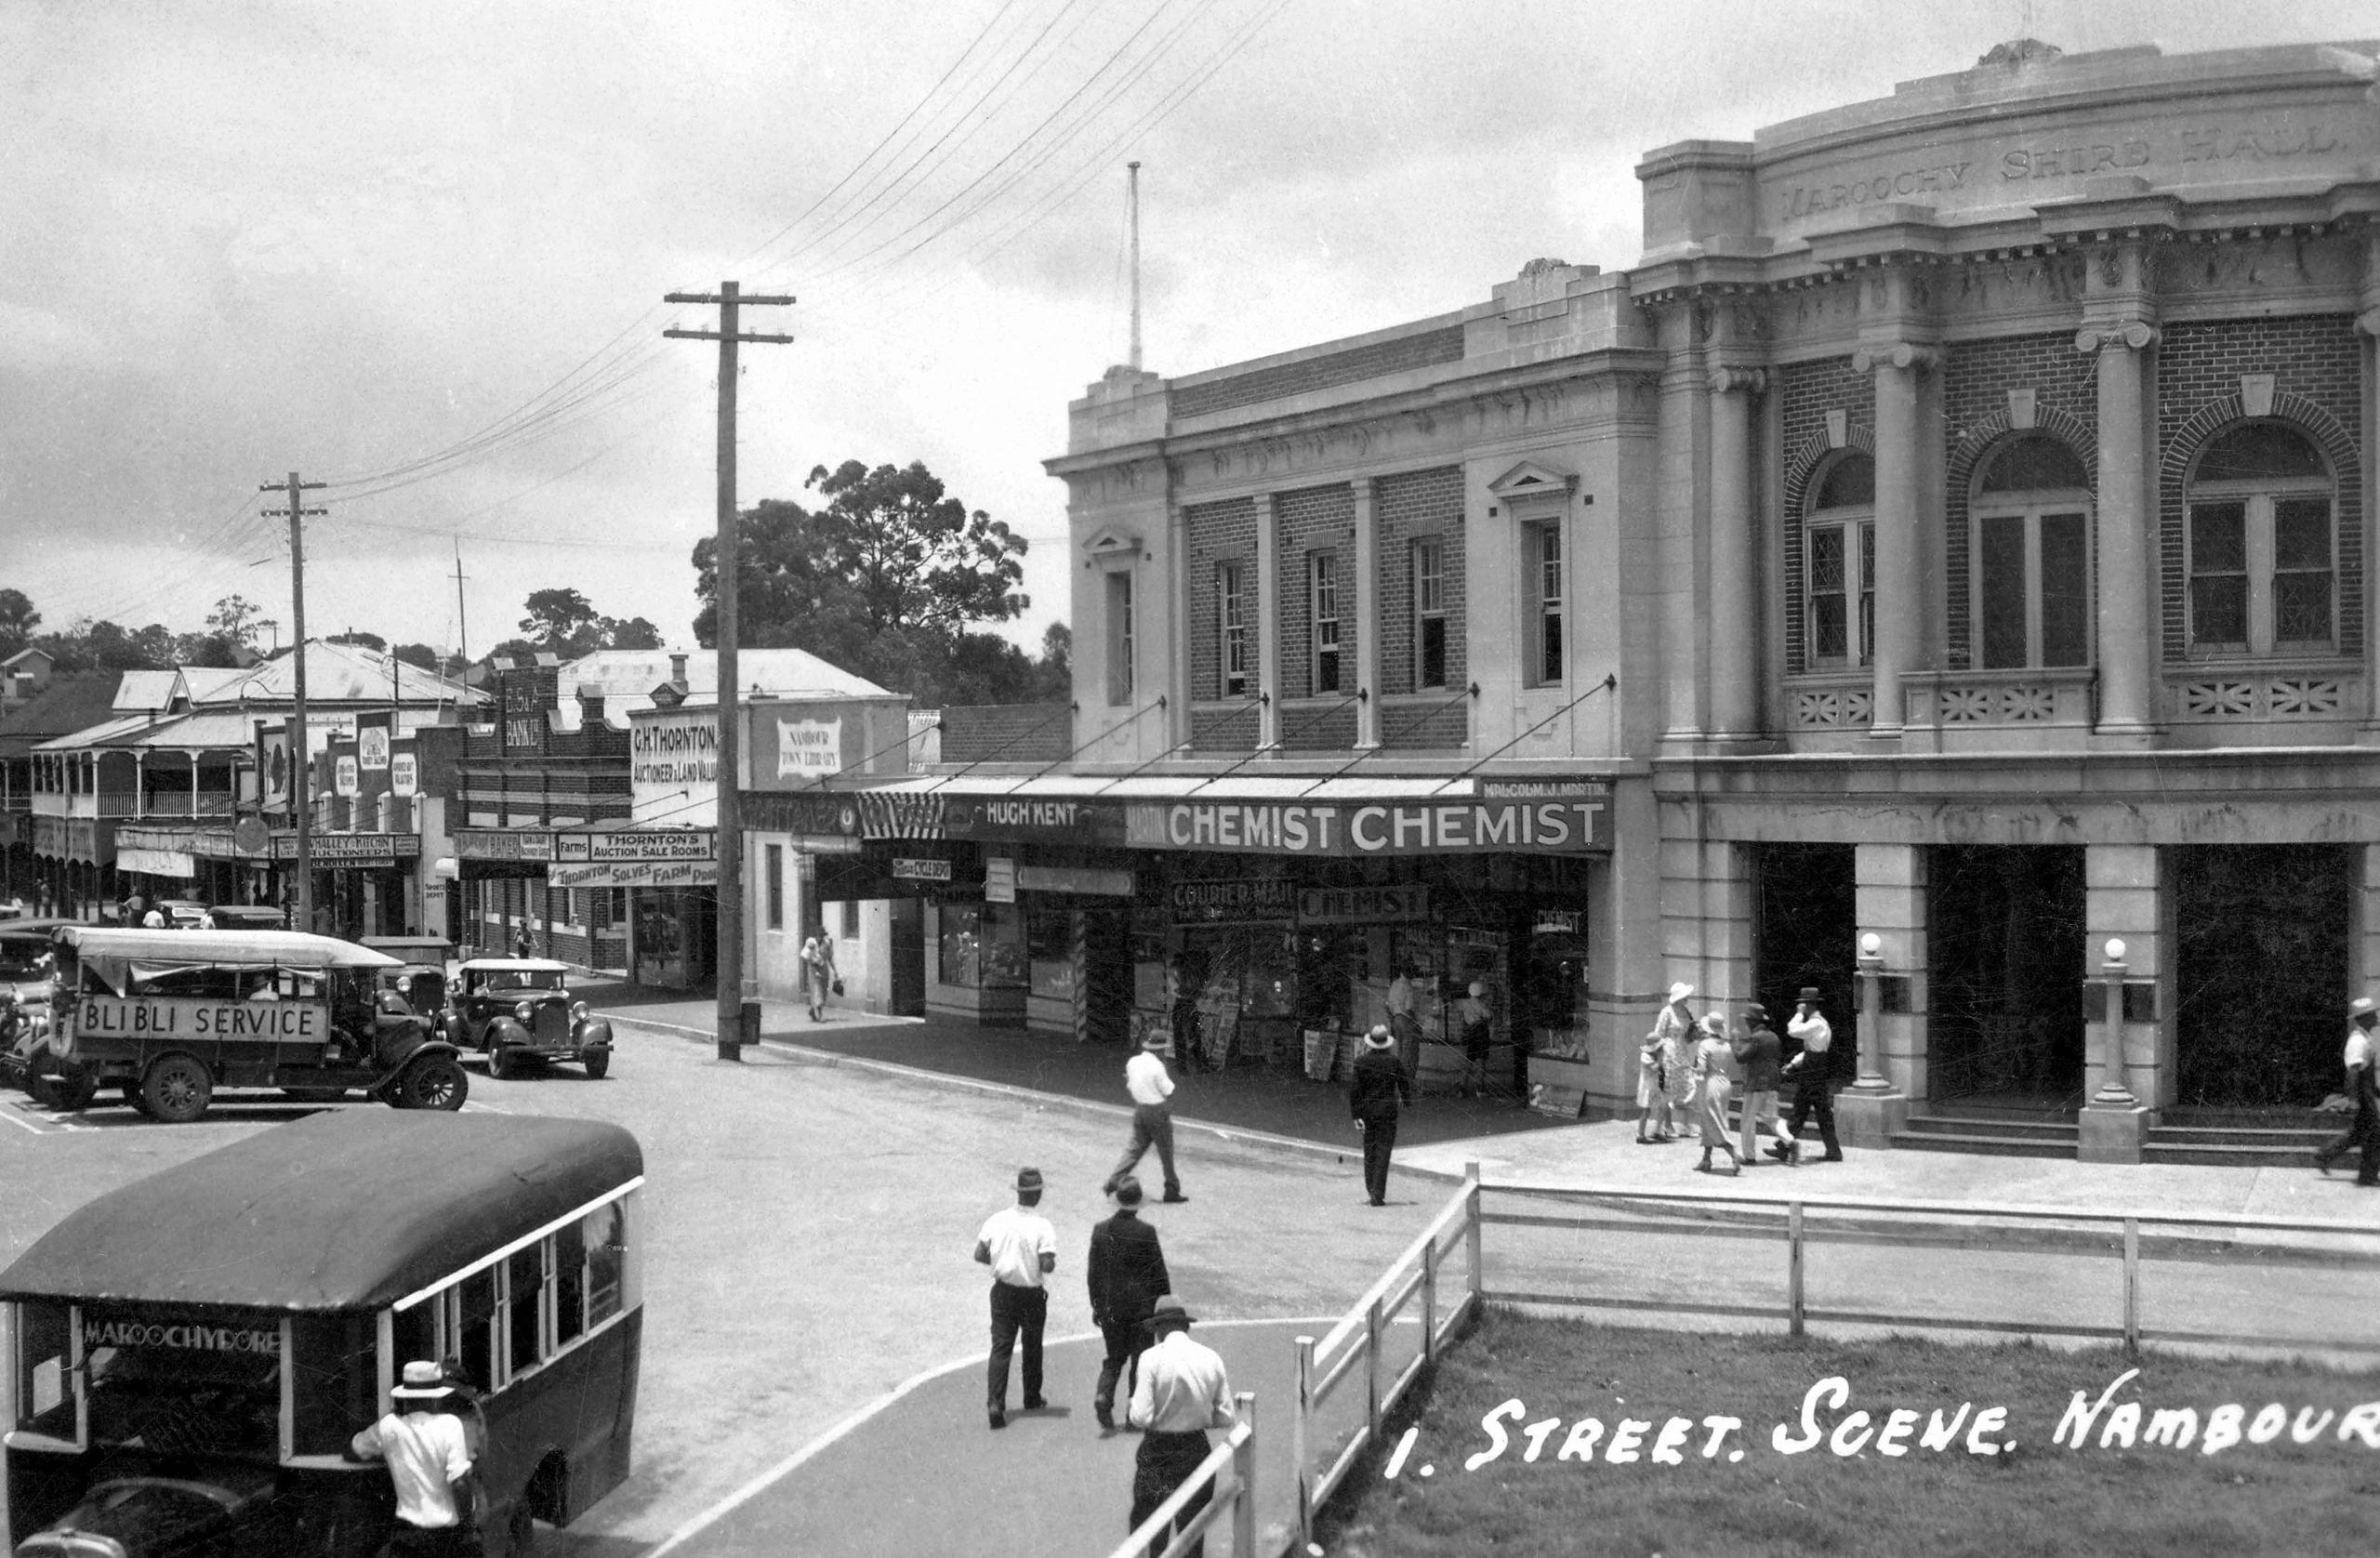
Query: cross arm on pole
<point>284,486</point>
<point>283,513</point>
<point>715,336</point>
<point>723,298</point>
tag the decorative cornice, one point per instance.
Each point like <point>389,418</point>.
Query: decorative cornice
<point>1751,380</point>
<point>1897,354</point>
<point>2136,335</point>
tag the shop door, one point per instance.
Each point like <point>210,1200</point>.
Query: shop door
<point>1806,933</point>
<point>2005,942</point>
<point>2260,1011</point>
<point>908,956</point>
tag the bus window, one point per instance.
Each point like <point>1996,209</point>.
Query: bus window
<point>151,1381</point>
<point>570,1284</point>
<point>526,1301</point>
<point>478,1346</point>
<point>606,1234</point>
<point>335,1360</point>
<point>414,1333</point>
<point>44,1404</point>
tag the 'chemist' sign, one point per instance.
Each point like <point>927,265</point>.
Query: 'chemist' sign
<point>1571,825</point>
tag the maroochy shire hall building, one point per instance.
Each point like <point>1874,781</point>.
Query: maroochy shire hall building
<point>1942,554</point>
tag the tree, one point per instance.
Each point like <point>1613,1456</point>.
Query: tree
<point>372,641</point>
<point>17,620</point>
<point>635,633</point>
<point>236,618</point>
<point>565,623</point>
<point>429,659</point>
<point>888,580</point>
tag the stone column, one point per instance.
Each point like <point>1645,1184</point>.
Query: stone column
<point>1901,467</point>
<point>2123,899</point>
<point>2125,523</point>
<point>1735,602</point>
<point>2367,325</point>
<point>1892,880</point>
<point>1268,625</point>
<point>2363,952</point>
<point>1680,495</point>
<point>1367,618</point>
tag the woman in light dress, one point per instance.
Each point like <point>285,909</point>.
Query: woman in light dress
<point>1662,1065</point>
<point>1712,1088</point>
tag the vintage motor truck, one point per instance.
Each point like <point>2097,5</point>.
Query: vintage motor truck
<point>519,1008</point>
<point>168,1018</point>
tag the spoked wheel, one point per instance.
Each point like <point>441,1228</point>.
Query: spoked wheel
<point>433,1082</point>
<point>176,1089</point>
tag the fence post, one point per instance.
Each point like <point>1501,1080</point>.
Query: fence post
<point>1794,1268</point>
<point>1371,1371</point>
<point>1301,1456</point>
<point>1429,1301</point>
<point>1470,1233</point>
<point>1243,1466</point>
<point>2132,1288</point>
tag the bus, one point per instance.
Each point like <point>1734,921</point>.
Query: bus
<point>195,1352</point>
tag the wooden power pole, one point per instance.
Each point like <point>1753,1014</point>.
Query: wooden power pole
<point>730,811</point>
<point>301,771</point>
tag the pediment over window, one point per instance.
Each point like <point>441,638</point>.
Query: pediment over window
<point>1111,545</point>
<point>1528,480</point>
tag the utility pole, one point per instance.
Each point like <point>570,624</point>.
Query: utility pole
<point>731,1023</point>
<point>462,626</point>
<point>1132,197</point>
<point>302,754</point>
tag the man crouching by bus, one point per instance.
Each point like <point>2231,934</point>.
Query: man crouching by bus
<point>430,1460</point>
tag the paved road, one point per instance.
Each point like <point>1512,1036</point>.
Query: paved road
<point>812,1228</point>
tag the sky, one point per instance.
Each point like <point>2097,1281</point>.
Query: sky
<point>417,250</point>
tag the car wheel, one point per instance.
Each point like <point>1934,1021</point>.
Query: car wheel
<point>502,1061</point>
<point>599,1064</point>
<point>435,1082</point>
<point>176,1089</point>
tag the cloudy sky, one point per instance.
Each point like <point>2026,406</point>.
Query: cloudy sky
<point>418,249</point>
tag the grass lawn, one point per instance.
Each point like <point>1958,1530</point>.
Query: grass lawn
<point>1841,1495</point>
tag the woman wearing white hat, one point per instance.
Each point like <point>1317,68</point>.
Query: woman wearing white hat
<point>1661,1067</point>
<point>1712,1088</point>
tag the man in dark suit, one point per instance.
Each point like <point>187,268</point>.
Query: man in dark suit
<point>1127,1274</point>
<point>1380,1089</point>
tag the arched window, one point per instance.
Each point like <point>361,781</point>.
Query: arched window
<point>2263,544</point>
<point>1839,534</point>
<point>2030,535</point>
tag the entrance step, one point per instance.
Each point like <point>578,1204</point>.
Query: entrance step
<point>1997,1143</point>
<point>1992,1127</point>
<point>2235,1146</point>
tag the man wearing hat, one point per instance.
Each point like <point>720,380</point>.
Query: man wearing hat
<point>1757,1055</point>
<point>1809,1072</point>
<point>2362,1014</point>
<point>430,1460</point>
<point>1181,1392</point>
<point>1022,1248</point>
<point>1127,1274</point>
<point>1145,1080</point>
<point>1380,1088</point>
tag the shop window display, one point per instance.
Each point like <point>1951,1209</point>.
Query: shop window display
<point>983,946</point>
<point>1049,951</point>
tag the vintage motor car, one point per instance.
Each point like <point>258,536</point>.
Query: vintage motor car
<point>517,1010</point>
<point>27,980</point>
<point>168,1018</point>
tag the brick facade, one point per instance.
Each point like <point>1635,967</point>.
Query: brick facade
<point>1217,534</point>
<point>2318,386</point>
<point>1976,378</point>
<point>1408,507</point>
<point>1809,390</point>
<point>1315,520</point>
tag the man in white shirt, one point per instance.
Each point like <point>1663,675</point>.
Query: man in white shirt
<point>1145,1080</point>
<point>1022,1248</point>
<point>1809,1072</point>
<point>429,1456</point>
<point>2356,1060</point>
<point>1183,1391</point>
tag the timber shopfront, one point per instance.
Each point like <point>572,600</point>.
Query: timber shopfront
<point>1255,929</point>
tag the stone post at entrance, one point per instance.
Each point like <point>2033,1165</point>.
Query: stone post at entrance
<point>2114,1124</point>
<point>1871,1108</point>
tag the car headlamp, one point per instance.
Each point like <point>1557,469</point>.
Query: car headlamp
<point>578,1012</point>
<point>524,1011</point>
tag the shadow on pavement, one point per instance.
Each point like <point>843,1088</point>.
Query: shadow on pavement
<point>1272,1098</point>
